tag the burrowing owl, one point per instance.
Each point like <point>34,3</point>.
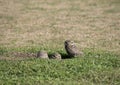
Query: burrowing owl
<point>72,49</point>
<point>55,56</point>
<point>42,54</point>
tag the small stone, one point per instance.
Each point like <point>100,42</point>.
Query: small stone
<point>42,54</point>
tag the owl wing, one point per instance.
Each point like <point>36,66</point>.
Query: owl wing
<point>72,50</point>
<point>75,49</point>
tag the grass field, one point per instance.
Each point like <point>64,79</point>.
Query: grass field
<point>92,69</point>
<point>27,26</point>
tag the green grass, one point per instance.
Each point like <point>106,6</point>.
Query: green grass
<point>94,68</point>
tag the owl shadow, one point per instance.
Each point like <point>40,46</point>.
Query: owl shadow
<point>63,55</point>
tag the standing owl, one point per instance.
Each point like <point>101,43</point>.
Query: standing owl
<point>72,49</point>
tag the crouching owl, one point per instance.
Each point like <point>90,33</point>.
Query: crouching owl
<point>42,54</point>
<point>56,56</point>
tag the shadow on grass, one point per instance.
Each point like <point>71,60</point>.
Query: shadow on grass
<point>63,55</point>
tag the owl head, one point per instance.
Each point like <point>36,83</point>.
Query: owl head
<point>69,43</point>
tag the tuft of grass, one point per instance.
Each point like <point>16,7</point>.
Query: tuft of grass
<point>7,17</point>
